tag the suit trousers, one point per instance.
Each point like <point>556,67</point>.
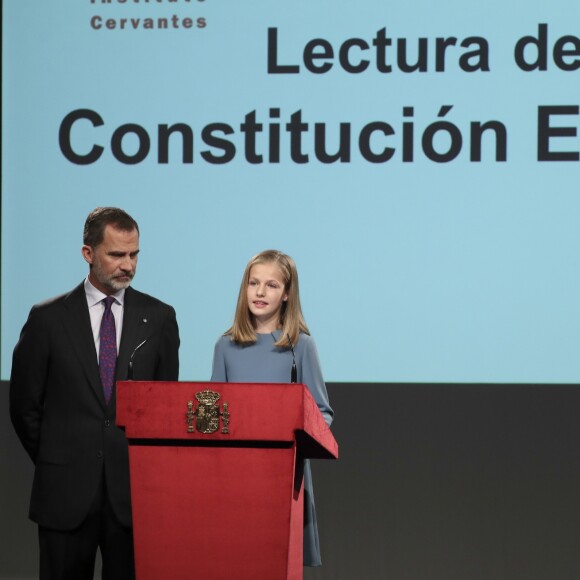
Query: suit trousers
<point>71,555</point>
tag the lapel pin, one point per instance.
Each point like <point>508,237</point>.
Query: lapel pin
<point>145,320</point>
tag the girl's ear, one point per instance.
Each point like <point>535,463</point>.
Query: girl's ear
<point>285,298</point>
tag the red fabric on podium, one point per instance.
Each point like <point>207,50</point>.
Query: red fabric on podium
<point>220,505</point>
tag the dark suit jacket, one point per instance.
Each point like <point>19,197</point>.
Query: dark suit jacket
<point>58,407</point>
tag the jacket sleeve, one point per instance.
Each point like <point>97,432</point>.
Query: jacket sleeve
<point>30,367</point>
<point>168,365</point>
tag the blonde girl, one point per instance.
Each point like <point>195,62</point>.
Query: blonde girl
<point>268,336</point>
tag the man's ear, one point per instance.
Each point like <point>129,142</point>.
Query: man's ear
<point>88,254</point>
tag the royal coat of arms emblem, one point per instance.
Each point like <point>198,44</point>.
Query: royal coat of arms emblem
<point>205,416</point>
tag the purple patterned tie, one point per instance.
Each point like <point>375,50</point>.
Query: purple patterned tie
<point>108,349</point>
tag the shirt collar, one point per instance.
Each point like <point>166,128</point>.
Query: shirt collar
<point>94,296</point>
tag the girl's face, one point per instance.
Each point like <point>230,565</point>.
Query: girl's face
<point>266,293</point>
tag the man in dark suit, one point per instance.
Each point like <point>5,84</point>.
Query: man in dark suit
<point>62,402</point>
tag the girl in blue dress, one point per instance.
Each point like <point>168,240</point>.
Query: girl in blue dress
<point>268,333</point>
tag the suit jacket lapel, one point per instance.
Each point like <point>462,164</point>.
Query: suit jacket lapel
<point>135,330</point>
<point>77,323</point>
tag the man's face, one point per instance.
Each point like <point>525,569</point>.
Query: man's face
<point>113,262</point>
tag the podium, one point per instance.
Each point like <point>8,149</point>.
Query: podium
<point>216,476</point>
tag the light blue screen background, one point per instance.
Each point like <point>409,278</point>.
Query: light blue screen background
<point>422,271</point>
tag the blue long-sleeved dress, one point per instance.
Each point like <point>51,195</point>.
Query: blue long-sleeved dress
<point>262,362</point>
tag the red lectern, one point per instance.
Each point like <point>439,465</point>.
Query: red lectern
<point>216,477</point>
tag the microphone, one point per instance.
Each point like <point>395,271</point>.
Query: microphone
<point>294,373</point>
<point>130,373</point>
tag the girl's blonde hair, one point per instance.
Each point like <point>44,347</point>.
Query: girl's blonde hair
<point>291,318</point>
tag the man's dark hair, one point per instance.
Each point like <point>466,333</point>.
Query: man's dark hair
<point>102,217</point>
